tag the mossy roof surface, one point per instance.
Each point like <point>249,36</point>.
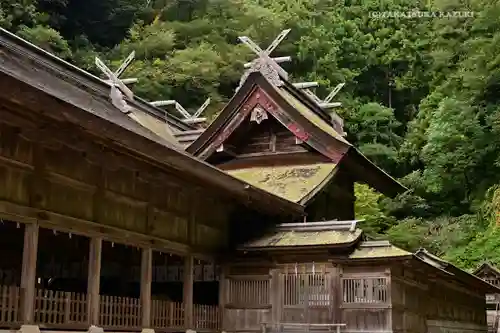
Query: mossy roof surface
<point>311,115</point>
<point>153,124</point>
<point>306,238</point>
<point>367,250</point>
<point>289,182</point>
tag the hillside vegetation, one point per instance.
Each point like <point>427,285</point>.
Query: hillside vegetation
<point>422,95</point>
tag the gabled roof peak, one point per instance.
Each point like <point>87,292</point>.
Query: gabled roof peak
<point>487,266</point>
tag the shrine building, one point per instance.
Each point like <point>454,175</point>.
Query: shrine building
<point>116,214</point>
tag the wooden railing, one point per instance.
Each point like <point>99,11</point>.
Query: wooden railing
<point>119,312</point>
<point>167,314</point>
<point>59,307</point>
<point>206,317</point>
<point>9,304</point>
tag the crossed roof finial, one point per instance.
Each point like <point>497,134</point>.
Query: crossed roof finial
<point>118,86</point>
<point>268,66</point>
<point>188,118</point>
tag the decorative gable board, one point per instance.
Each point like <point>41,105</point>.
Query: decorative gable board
<point>259,102</point>
<point>487,271</point>
<point>267,136</point>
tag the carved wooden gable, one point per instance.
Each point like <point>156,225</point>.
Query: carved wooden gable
<point>264,124</point>
<point>263,119</point>
<point>261,134</point>
<point>488,273</point>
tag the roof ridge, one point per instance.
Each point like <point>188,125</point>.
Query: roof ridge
<point>320,226</point>
<point>375,243</point>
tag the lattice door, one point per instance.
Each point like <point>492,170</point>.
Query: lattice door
<point>306,298</point>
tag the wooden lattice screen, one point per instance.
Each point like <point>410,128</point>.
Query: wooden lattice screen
<point>371,290</point>
<point>366,302</point>
<point>310,289</point>
<point>306,297</point>
<point>248,291</point>
<point>247,302</point>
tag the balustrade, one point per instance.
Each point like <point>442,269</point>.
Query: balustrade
<point>59,309</point>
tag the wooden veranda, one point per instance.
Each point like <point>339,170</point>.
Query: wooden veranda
<point>27,296</point>
<point>68,310</point>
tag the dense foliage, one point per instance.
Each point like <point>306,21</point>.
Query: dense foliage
<point>421,97</point>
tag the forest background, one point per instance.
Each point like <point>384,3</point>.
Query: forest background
<point>422,95</point>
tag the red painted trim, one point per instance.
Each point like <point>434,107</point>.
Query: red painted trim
<point>298,132</point>
<point>301,134</point>
<point>259,97</point>
<point>256,97</point>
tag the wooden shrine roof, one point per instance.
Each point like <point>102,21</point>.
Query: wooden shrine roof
<point>450,269</point>
<point>292,182</point>
<point>185,138</point>
<point>40,82</point>
<point>325,235</point>
<point>91,92</point>
<point>344,235</point>
<point>309,113</point>
<point>301,116</point>
<point>307,235</point>
<point>487,268</point>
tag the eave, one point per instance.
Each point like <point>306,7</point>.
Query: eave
<point>310,236</point>
<point>381,181</point>
<point>145,145</point>
<point>460,274</point>
<point>301,249</point>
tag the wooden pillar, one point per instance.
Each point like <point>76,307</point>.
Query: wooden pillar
<point>188,291</point>
<point>337,292</point>
<point>275,297</point>
<point>222,295</point>
<point>28,275</point>
<point>146,278</point>
<point>94,279</point>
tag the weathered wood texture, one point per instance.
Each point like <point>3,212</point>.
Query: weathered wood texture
<point>308,293</point>
<point>375,298</point>
<point>491,275</point>
<point>65,310</point>
<point>69,180</point>
<point>248,302</point>
<point>268,99</point>
<point>425,302</point>
<point>266,138</point>
<point>366,299</point>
